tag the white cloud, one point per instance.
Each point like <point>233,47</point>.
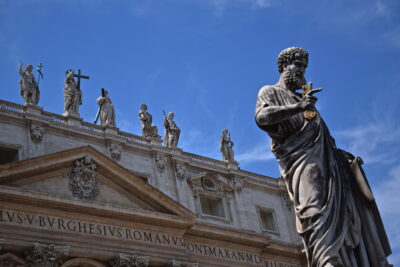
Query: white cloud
<point>263,3</point>
<point>382,9</point>
<point>375,142</point>
<point>258,153</point>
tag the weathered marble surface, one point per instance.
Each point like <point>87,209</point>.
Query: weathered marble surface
<point>146,119</point>
<point>172,131</point>
<point>106,111</point>
<point>29,87</point>
<point>339,225</point>
<point>72,95</point>
<point>226,146</point>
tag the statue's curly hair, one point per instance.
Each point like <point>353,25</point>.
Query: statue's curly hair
<point>287,56</point>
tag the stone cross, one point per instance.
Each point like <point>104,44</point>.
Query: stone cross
<point>80,76</point>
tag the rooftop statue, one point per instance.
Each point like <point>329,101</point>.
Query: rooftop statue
<point>29,88</point>
<point>106,111</point>
<point>148,129</point>
<point>226,146</point>
<point>72,94</point>
<point>336,214</point>
<point>172,131</point>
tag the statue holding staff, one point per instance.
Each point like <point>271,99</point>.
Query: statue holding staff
<point>29,88</point>
<point>226,146</point>
<point>106,111</point>
<point>172,131</point>
<point>336,214</point>
<point>72,94</point>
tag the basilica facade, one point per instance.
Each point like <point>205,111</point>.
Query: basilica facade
<point>73,193</point>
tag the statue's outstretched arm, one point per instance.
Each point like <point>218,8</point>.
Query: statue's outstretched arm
<point>270,115</point>
<point>20,71</point>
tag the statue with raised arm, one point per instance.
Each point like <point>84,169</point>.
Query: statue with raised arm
<point>336,214</point>
<point>29,88</point>
<point>172,131</point>
<point>148,129</point>
<point>72,94</point>
<point>226,146</point>
<point>106,111</point>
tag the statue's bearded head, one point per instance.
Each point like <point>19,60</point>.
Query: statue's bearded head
<point>292,64</point>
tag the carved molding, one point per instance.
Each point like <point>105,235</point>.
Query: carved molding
<point>180,170</point>
<point>10,260</point>
<point>36,133</point>
<point>44,255</point>
<point>125,260</point>
<point>82,262</point>
<point>115,151</point>
<point>176,263</point>
<point>83,182</point>
<point>238,184</point>
<point>161,162</point>
<point>212,182</point>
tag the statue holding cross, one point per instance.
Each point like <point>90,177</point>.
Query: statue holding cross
<point>73,93</point>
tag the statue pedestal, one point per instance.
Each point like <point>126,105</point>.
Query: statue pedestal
<point>176,151</point>
<point>71,114</point>
<point>73,118</point>
<point>33,109</point>
<point>110,130</point>
<point>155,141</point>
<point>233,165</point>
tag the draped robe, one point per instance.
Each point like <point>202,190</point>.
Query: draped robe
<point>107,112</point>
<point>338,225</point>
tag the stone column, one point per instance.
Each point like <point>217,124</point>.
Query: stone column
<point>45,255</point>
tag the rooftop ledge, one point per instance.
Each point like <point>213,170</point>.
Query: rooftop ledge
<point>77,124</point>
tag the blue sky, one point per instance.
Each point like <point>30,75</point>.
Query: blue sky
<point>205,60</point>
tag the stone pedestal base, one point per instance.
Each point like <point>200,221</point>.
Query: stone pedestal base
<point>73,118</point>
<point>110,130</point>
<point>71,114</point>
<point>233,165</point>
<point>155,141</point>
<point>176,151</point>
<point>32,109</point>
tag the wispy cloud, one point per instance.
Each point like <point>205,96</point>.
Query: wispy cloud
<point>220,6</point>
<point>376,141</point>
<point>255,154</point>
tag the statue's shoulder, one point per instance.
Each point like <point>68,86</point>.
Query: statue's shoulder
<point>267,89</point>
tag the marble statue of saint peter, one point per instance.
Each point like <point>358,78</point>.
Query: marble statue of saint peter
<point>336,214</point>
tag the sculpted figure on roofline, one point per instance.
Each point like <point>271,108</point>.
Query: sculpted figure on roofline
<point>172,131</point>
<point>29,87</point>
<point>72,94</point>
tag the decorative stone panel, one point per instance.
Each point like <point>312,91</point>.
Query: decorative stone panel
<point>44,255</point>
<point>124,260</point>
<point>83,182</point>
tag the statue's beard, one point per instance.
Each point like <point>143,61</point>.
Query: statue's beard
<point>293,80</point>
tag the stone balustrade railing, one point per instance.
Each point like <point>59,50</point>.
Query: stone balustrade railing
<point>55,119</point>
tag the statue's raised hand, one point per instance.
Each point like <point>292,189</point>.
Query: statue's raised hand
<point>308,101</point>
